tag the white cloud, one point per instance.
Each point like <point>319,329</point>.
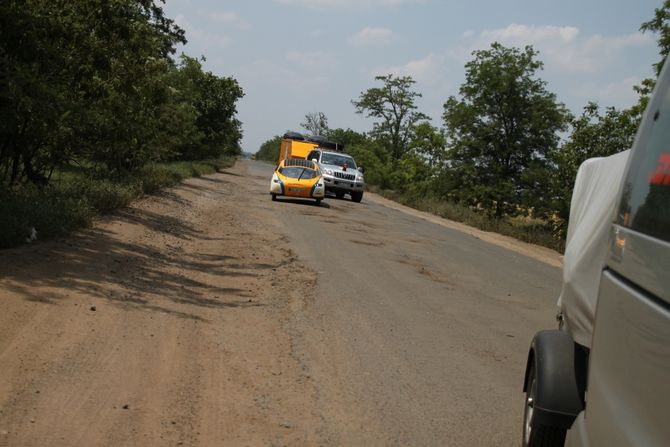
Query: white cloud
<point>431,70</point>
<point>618,93</point>
<point>370,36</point>
<point>581,67</point>
<point>295,72</point>
<point>562,48</point>
<point>347,4</point>
<point>229,18</point>
<point>524,33</point>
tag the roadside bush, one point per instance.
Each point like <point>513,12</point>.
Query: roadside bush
<point>78,197</point>
<point>51,212</point>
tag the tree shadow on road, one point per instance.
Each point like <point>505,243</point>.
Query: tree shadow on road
<point>144,274</point>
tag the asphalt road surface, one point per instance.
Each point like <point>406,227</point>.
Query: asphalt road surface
<point>209,315</point>
<point>418,333</point>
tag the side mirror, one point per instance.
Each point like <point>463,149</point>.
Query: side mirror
<point>362,169</point>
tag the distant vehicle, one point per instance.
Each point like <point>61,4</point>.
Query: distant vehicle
<point>296,177</point>
<point>603,378</point>
<point>253,156</point>
<point>340,173</point>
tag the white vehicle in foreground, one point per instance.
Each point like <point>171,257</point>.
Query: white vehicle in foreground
<point>603,378</point>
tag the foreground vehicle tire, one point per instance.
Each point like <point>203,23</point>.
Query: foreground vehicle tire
<point>339,195</point>
<point>274,196</point>
<point>357,197</point>
<point>318,202</point>
<point>534,433</point>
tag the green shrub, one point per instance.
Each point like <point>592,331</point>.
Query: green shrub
<point>51,212</point>
<point>77,196</point>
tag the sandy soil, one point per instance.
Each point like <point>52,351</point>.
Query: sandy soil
<point>164,325</point>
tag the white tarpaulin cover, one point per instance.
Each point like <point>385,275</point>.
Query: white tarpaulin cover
<point>592,212</point>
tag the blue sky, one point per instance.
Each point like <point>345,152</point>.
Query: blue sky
<point>292,57</point>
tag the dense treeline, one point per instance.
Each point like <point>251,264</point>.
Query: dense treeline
<point>269,151</point>
<point>93,83</point>
<point>499,161</point>
<point>95,111</point>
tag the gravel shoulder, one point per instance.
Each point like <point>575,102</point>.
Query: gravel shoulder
<point>163,325</point>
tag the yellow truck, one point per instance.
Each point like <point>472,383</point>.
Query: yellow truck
<point>295,145</point>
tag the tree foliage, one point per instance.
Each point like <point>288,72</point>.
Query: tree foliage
<point>393,105</point>
<point>660,25</point>
<point>316,123</point>
<point>430,143</point>
<point>94,83</point>
<point>213,100</point>
<point>269,150</point>
<point>594,134</point>
<point>501,131</point>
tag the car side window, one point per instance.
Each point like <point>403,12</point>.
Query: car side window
<point>312,155</point>
<point>645,201</point>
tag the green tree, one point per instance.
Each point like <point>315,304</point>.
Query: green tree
<point>347,137</point>
<point>593,135</point>
<point>659,24</point>
<point>316,123</point>
<point>430,143</point>
<point>93,83</point>
<point>269,150</point>
<point>394,106</point>
<point>214,100</point>
<point>81,80</point>
<point>501,131</point>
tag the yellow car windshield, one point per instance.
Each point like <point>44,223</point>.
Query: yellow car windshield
<point>298,173</point>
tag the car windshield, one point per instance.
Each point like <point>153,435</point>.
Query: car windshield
<point>338,160</point>
<point>298,172</point>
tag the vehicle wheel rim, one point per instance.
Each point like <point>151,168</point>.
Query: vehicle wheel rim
<point>528,412</point>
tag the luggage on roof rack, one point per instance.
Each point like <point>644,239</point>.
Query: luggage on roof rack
<point>324,143</point>
<point>294,136</point>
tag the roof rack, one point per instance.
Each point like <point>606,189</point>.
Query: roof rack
<point>320,140</point>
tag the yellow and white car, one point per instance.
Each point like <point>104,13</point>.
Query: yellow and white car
<point>297,177</point>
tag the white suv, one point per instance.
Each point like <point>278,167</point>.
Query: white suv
<point>340,173</point>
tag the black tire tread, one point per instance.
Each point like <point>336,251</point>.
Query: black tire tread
<point>545,436</point>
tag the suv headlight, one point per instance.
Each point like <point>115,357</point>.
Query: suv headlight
<point>360,178</point>
<point>328,171</point>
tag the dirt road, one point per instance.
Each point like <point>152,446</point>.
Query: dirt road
<point>210,315</point>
